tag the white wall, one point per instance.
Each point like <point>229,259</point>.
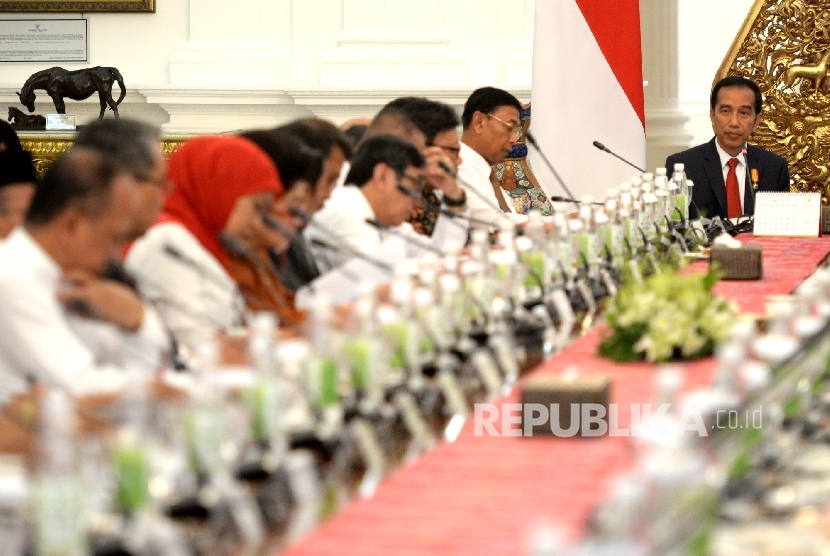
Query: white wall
<point>140,45</point>
<point>706,31</point>
<point>490,39</point>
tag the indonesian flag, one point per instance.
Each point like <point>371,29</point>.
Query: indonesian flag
<point>587,86</point>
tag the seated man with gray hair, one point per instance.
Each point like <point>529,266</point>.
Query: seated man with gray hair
<point>50,279</point>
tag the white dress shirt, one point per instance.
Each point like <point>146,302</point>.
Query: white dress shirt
<point>740,170</point>
<point>40,340</point>
<point>191,290</point>
<point>474,175</point>
<point>345,214</point>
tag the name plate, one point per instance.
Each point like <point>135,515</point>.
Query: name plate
<point>787,214</point>
<point>60,122</point>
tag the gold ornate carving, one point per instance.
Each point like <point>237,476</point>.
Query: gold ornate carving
<point>46,148</point>
<point>784,47</point>
<point>114,6</point>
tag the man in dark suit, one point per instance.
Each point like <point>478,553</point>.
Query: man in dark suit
<point>726,171</point>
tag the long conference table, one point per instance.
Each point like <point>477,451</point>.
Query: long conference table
<point>482,494</point>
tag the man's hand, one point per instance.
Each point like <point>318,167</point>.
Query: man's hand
<point>102,299</point>
<point>438,178</point>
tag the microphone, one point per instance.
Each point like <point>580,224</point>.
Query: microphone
<point>340,247</point>
<point>532,140</point>
<point>445,211</point>
<point>489,202</point>
<point>346,272</point>
<point>117,273</point>
<point>470,219</point>
<point>350,251</point>
<point>396,232</point>
<point>437,208</point>
<point>559,199</point>
<point>602,147</point>
<point>748,186</point>
<point>187,261</point>
<point>234,246</point>
<point>301,214</point>
<point>448,169</point>
<point>410,193</point>
<point>275,225</point>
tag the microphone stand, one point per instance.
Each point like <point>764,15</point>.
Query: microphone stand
<point>340,247</point>
<point>602,147</point>
<point>396,232</point>
<point>569,200</point>
<point>532,140</point>
<point>354,253</point>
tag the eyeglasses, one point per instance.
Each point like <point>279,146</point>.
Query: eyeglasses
<point>417,183</point>
<point>513,129</point>
<point>455,151</point>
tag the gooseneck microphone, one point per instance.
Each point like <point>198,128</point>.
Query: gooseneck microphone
<point>602,147</point>
<point>490,204</point>
<point>749,189</point>
<point>559,199</point>
<point>275,225</point>
<point>345,249</point>
<point>396,232</point>
<point>448,169</point>
<point>447,212</point>
<point>532,140</point>
<point>339,247</point>
<point>438,208</point>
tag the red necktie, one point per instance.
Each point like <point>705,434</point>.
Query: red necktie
<point>733,194</point>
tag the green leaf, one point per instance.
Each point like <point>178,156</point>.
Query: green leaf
<point>620,345</point>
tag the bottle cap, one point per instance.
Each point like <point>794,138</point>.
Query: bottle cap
<point>401,292</point>
<point>679,167</point>
<point>263,323</point>
<point>423,298</point>
<point>479,237</point>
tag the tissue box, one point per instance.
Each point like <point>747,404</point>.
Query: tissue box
<point>565,391</point>
<point>738,263</point>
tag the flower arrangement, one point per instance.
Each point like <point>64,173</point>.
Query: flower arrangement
<point>667,316</point>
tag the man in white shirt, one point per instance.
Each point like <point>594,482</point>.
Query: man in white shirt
<point>384,185</point>
<point>491,126</point>
<point>78,221</point>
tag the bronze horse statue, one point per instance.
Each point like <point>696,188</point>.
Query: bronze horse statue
<point>19,119</point>
<point>77,85</point>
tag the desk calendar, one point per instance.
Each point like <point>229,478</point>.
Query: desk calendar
<point>787,214</point>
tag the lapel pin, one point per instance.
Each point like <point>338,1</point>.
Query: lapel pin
<point>753,172</point>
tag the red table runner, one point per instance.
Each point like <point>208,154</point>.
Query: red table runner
<point>481,495</point>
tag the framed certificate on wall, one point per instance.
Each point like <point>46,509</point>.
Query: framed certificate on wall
<point>77,6</point>
<point>44,40</point>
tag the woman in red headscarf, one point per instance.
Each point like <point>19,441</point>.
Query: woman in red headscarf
<point>299,168</point>
<point>222,188</point>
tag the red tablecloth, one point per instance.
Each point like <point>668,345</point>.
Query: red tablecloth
<point>481,495</point>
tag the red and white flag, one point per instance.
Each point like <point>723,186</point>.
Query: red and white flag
<point>587,86</point>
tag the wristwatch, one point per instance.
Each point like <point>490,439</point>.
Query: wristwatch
<point>460,202</point>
